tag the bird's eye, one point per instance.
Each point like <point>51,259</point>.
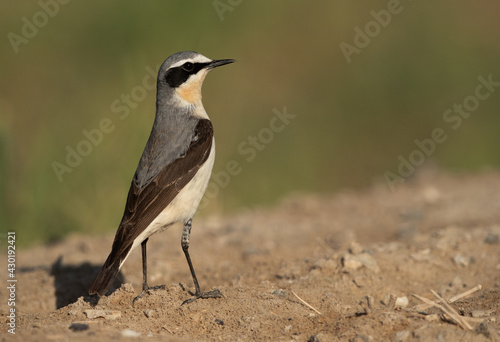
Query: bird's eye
<point>188,66</point>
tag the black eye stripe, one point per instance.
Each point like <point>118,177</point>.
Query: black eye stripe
<point>197,67</point>
<point>178,75</point>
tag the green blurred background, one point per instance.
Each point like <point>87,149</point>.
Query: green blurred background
<point>352,120</point>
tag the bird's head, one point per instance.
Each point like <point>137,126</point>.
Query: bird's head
<point>181,76</point>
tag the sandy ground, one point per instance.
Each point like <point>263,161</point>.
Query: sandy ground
<point>356,257</point>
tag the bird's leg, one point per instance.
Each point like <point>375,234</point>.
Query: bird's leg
<point>145,287</point>
<point>185,246</point>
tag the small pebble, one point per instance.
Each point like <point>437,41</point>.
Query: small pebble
<point>130,333</point>
<point>280,293</point>
<point>484,329</point>
<point>369,301</point>
<point>78,327</point>
<point>106,314</point>
<point>432,318</point>
<point>387,299</point>
<point>351,263</point>
<point>422,255</point>
<point>477,313</point>
<point>401,302</point>
<point>491,239</point>
<point>148,313</point>
<point>481,313</point>
<point>461,260</point>
<point>354,262</point>
<point>313,338</point>
<point>355,248</point>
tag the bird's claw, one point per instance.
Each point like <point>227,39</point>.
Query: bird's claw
<point>147,289</point>
<point>203,295</point>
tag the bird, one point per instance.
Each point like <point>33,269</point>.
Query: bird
<point>173,171</point>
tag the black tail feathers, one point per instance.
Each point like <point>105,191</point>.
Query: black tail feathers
<point>105,277</point>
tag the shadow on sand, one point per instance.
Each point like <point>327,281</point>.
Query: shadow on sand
<point>73,281</point>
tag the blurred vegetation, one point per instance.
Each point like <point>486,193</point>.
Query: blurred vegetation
<point>352,121</point>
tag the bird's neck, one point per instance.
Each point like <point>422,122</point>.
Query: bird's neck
<point>175,108</point>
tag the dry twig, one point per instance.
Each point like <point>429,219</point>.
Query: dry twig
<point>453,299</point>
<point>465,294</point>
<point>451,313</point>
<point>456,316</point>
<point>432,303</point>
<point>306,304</point>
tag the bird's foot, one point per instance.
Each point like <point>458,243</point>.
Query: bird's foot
<point>203,295</point>
<point>148,289</point>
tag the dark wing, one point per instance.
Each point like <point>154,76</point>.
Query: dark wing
<point>145,203</point>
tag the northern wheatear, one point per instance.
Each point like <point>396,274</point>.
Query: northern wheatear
<point>174,169</point>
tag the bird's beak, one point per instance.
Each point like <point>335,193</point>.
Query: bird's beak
<point>219,62</point>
